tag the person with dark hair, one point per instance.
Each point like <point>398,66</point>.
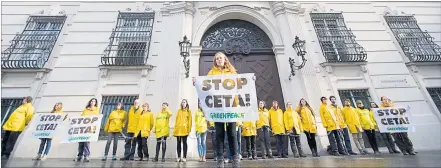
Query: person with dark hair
<point>387,137</point>
<point>182,128</point>
<point>201,132</point>
<point>47,142</point>
<point>330,121</point>
<point>401,138</point>
<point>114,126</point>
<point>145,125</point>
<point>308,124</point>
<point>353,120</point>
<point>132,125</point>
<point>84,147</point>
<point>250,133</point>
<point>343,126</point>
<point>368,124</point>
<point>277,127</point>
<point>162,130</point>
<point>263,132</point>
<point>293,126</point>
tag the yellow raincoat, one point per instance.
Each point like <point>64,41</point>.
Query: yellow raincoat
<point>115,121</point>
<point>90,111</point>
<point>329,118</point>
<point>352,119</point>
<point>367,119</point>
<point>162,123</point>
<point>276,120</point>
<point>263,118</point>
<point>341,119</point>
<point>20,118</point>
<point>308,119</point>
<point>145,124</point>
<point>133,119</point>
<point>200,122</point>
<point>182,123</point>
<point>291,119</point>
<point>249,128</point>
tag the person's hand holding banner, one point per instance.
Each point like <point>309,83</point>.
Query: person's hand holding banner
<point>228,98</point>
<point>393,119</point>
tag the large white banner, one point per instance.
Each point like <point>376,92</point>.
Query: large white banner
<point>228,98</point>
<point>83,129</point>
<point>393,119</point>
<point>47,125</point>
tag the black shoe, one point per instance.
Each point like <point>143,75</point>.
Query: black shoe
<point>396,151</point>
<point>155,160</point>
<point>353,153</point>
<point>163,160</point>
<point>296,156</point>
<point>132,159</point>
<point>146,158</point>
<point>405,153</point>
<point>284,156</point>
<point>4,157</point>
<point>215,159</point>
<point>123,159</point>
<point>76,159</point>
<point>271,156</point>
<point>140,159</point>
<point>377,152</point>
<point>412,153</point>
<point>263,157</point>
<point>335,154</point>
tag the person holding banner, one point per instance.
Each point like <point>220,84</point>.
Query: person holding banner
<point>401,139</point>
<point>132,126</point>
<point>15,125</point>
<point>113,127</point>
<point>277,127</point>
<point>353,120</point>
<point>263,131</point>
<point>230,158</point>
<point>387,137</point>
<point>46,142</point>
<point>84,147</point>
<point>162,130</point>
<point>182,128</point>
<point>344,127</point>
<point>331,122</point>
<point>201,133</point>
<point>368,124</point>
<point>293,126</point>
<point>308,124</point>
<point>145,124</point>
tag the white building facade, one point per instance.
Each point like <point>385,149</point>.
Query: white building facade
<point>71,52</point>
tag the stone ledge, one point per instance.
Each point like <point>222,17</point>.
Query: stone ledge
<point>340,64</point>
<point>422,63</point>
<point>24,70</point>
<point>145,69</point>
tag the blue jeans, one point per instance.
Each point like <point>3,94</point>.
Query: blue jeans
<point>202,147</point>
<point>45,142</point>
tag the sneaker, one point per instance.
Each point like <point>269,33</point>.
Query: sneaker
<point>184,160</point>
<point>353,153</point>
<point>155,160</point>
<point>104,158</point>
<point>140,159</point>
<point>78,159</point>
<point>226,160</point>
<point>86,159</point>
<point>114,157</point>
<point>43,158</point>
<point>163,160</point>
<point>215,159</point>
<point>178,160</point>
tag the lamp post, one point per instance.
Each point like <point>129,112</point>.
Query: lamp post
<point>185,48</point>
<point>299,47</point>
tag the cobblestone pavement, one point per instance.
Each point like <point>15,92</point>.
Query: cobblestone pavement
<point>423,159</point>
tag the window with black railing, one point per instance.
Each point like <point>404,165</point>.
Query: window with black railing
<point>8,106</point>
<point>417,45</point>
<point>108,104</point>
<point>336,40</point>
<point>354,95</point>
<point>130,40</point>
<point>435,93</point>
<point>32,48</point>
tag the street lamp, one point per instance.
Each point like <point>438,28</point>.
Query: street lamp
<point>185,52</point>
<point>299,47</point>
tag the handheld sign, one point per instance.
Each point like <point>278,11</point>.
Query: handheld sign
<point>228,98</point>
<point>393,119</point>
<point>83,129</point>
<point>47,125</point>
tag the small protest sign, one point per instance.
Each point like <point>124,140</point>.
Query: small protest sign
<point>47,125</point>
<point>83,129</point>
<point>393,119</point>
<point>228,98</point>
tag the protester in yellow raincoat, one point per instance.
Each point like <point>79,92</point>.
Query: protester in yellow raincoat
<point>263,131</point>
<point>84,147</point>
<point>277,127</point>
<point>182,128</point>
<point>114,125</point>
<point>132,126</point>
<point>46,143</point>
<point>201,133</point>
<point>293,126</point>
<point>249,131</point>
<point>308,124</point>
<point>145,125</point>
<point>330,121</point>
<point>15,125</point>
<point>162,129</point>
<point>386,136</point>
<point>343,126</point>
<point>353,120</point>
<point>368,125</point>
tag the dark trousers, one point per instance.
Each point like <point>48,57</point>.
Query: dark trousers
<point>114,136</point>
<point>8,142</point>
<point>279,142</point>
<point>220,136</point>
<point>130,146</point>
<point>294,142</point>
<point>403,142</point>
<point>182,140</point>
<point>265,141</point>
<point>347,140</point>
<point>388,140</point>
<point>161,141</point>
<point>83,149</point>
<point>213,140</point>
<point>143,149</point>
<point>311,140</point>
<point>336,141</point>
<point>372,140</point>
<point>250,143</point>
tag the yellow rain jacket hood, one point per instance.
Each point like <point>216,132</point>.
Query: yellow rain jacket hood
<point>133,119</point>
<point>115,121</point>
<point>20,118</point>
<point>162,123</point>
<point>182,123</point>
<point>276,120</point>
<point>145,124</point>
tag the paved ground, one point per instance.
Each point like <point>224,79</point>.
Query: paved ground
<point>423,159</point>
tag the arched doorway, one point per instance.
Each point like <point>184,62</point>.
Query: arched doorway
<point>250,50</point>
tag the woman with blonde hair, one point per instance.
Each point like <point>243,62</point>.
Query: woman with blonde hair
<point>181,129</point>
<point>46,142</point>
<point>308,124</point>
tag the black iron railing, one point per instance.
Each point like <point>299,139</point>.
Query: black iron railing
<point>354,95</point>
<point>435,93</point>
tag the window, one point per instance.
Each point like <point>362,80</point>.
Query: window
<point>435,93</point>
<point>337,42</point>
<point>32,48</point>
<point>108,104</point>
<point>417,45</point>
<point>355,95</point>
<point>8,106</point>
<point>130,40</point>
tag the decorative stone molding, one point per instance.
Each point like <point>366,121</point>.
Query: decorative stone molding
<point>54,10</point>
<point>145,69</point>
<point>279,49</point>
<point>281,7</point>
<point>178,8</point>
<point>388,11</point>
<point>328,66</point>
<point>140,7</point>
<point>320,8</point>
<point>39,72</point>
<point>414,65</point>
<point>103,73</point>
<point>195,51</point>
<point>363,68</point>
